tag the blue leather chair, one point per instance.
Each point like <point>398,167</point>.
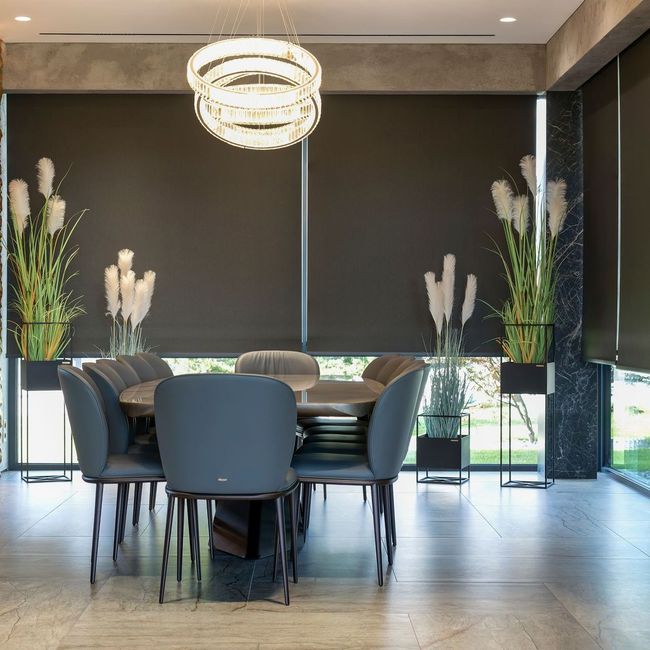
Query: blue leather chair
<point>160,366</point>
<point>226,437</point>
<point>90,432</point>
<point>141,368</point>
<point>378,463</point>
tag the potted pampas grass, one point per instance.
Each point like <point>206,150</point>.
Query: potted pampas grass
<point>128,301</point>
<point>530,266</point>
<point>40,255</point>
<point>445,443</point>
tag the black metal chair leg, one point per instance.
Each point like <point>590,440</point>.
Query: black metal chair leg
<point>153,488</point>
<point>393,527</point>
<point>294,535</point>
<point>190,530</point>
<point>168,536</point>
<point>125,506</point>
<point>180,523</point>
<point>137,501</point>
<point>276,549</point>
<point>376,520</point>
<point>193,508</point>
<point>279,508</point>
<point>305,523</point>
<point>99,495</point>
<point>325,491</point>
<point>365,493</point>
<point>118,519</point>
<point>208,505</point>
<point>387,520</point>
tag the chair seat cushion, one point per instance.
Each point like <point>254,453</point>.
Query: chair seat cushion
<point>359,428</point>
<point>335,447</point>
<point>335,437</point>
<point>132,466</point>
<point>324,420</point>
<point>323,465</point>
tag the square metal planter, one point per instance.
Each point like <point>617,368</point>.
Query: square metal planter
<point>440,454</point>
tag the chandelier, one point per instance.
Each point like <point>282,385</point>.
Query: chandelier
<point>256,92</point>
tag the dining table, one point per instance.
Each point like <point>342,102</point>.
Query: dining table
<point>246,528</point>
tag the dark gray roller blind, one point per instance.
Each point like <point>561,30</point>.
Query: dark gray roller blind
<point>219,225</point>
<point>395,182</point>
<point>600,146</point>
<point>634,325</point>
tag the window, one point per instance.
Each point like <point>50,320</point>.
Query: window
<point>630,425</point>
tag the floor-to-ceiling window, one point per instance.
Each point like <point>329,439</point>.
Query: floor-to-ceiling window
<point>630,425</point>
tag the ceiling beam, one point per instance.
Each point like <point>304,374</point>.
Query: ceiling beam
<point>347,68</point>
<point>596,32</point>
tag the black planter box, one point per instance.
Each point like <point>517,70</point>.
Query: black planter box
<point>527,378</point>
<point>40,375</point>
<point>442,454</point>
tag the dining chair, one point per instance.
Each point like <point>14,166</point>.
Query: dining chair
<point>121,438</point>
<point>127,374</point>
<point>226,437</point>
<point>161,367</point>
<point>144,371</point>
<point>90,432</point>
<point>277,362</point>
<point>378,465</point>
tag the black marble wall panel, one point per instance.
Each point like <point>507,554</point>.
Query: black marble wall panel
<point>576,380</point>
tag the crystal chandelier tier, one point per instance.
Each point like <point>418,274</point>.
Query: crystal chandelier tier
<point>256,92</point>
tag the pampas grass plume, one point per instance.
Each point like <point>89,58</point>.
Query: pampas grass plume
<point>436,300</point>
<point>127,290</point>
<point>45,174</point>
<point>556,205</point>
<point>470,298</point>
<point>55,214</point>
<point>448,281</point>
<point>125,260</point>
<point>529,172</point>
<point>19,203</point>
<point>140,303</point>
<point>112,287</point>
<point>502,196</point>
<point>520,213</point>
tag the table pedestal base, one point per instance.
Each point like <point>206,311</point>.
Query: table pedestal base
<point>244,528</point>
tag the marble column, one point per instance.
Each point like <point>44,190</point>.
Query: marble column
<point>576,401</point>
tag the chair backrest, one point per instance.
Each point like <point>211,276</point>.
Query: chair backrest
<point>225,434</point>
<point>144,371</point>
<point>392,421</point>
<point>392,368</point>
<point>110,385</point>
<point>277,362</point>
<point>161,367</point>
<point>127,374</point>
<point>88,422</point>
<point>411,364</point>
<point>371,371</point>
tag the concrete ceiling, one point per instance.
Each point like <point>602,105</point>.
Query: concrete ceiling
<point>428,21</point>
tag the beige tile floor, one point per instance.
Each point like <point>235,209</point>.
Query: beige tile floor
<point>476,567</point>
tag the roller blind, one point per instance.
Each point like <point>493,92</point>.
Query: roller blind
<point>600,146</point>
<point>634,324</point>
<point>395,182</point>
<point>219,225</point>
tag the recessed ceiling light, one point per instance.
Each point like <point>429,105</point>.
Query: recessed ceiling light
<point>508,19</point>
<point>22,19</point>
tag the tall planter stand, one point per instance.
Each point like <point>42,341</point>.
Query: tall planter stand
<point>443,454</point>
<point>38,376</point>
<point>529,379</point>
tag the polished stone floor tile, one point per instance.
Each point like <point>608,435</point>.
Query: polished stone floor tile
<point>475,567</point>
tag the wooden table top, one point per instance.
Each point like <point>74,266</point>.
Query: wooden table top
<point>315,396</point>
